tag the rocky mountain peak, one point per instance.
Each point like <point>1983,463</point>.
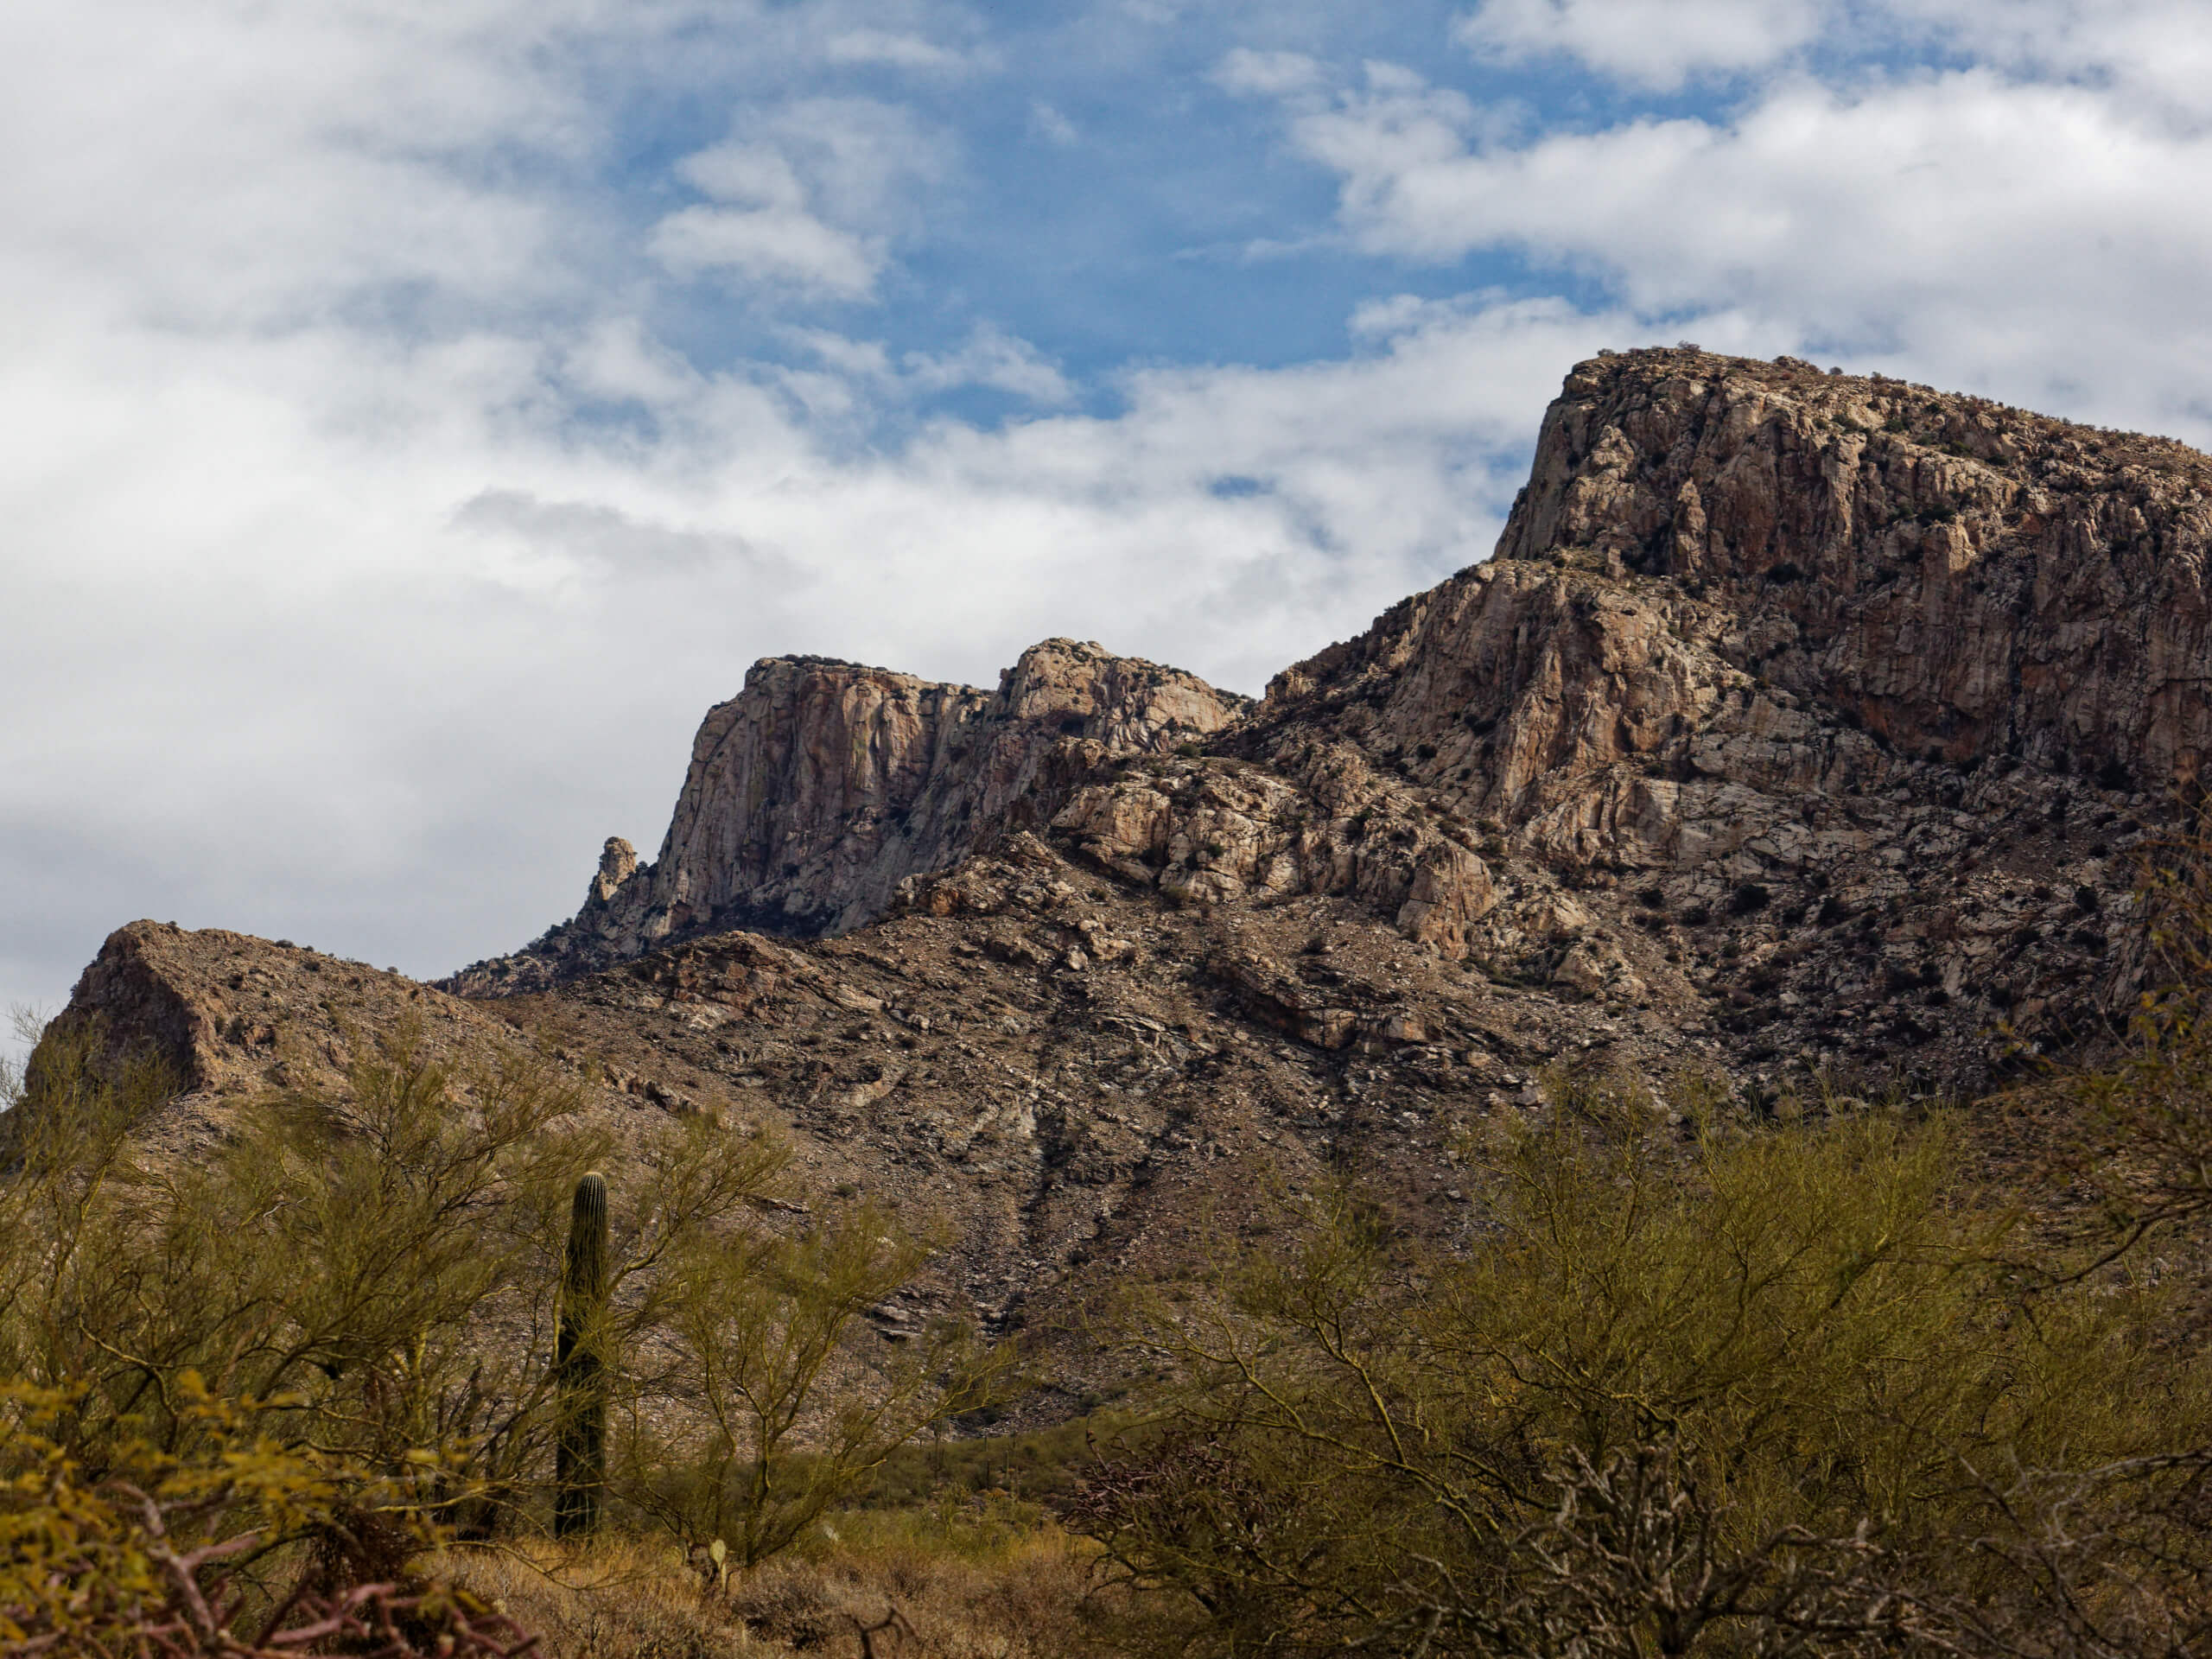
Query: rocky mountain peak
<point>1959,582</point>
<point>824,784</point>
<point>617,862</point>
<point>1805,732</point>
<point>1762,650</point>
<point>1764,654</point>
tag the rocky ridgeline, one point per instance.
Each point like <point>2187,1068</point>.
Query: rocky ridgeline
<point>1820,709</point>
<point>822,784</point>
<point>1854,696</point>
<point>1803,730</point>
<point>1080,1082</point>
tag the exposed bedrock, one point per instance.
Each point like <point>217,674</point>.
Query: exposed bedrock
<point>1832,704</point>
<point>822,784</point>
<point>1731,586</point>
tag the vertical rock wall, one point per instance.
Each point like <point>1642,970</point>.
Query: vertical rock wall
<point>822,784</point>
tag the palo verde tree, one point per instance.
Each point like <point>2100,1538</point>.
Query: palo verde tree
<point>776,1400</point>
<point>1724,1390</point>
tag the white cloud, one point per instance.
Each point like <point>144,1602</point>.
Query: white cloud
<point>370,556</point>
<point>2158,51</point>
<point>614,360</point>
<point>805,197</point>
<point>598,541</point>
<point>162,157</point>
<point>857,377</point>
<point>1659,44</point>
<point>1253,73</point>
<point>2024,237</point>
<point>863,160</point>
<point>1051,125</point>
<point>886,47</point>
<point>989,357</point>
<point>773,244</point>
<point>2156,54</point>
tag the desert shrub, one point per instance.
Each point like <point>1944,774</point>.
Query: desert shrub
<point>375,1271</point>
<point>1782,1391</point>
<point>369,1278</point>
<point>1041,1464</point>
<point>238,1549</point>
<point>1033,1598</point>
<point>770,1420</point>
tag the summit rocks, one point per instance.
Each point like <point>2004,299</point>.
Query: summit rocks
<point>1823,714</point>
<point>822,784</point>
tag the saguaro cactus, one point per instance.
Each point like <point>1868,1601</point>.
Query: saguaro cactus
<point>580,1368</point>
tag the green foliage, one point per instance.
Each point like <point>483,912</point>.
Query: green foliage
<point>2137,1133</point>
<point>772,1419</point>
<point>1045,1464</point>
<point>335,1261</point>
<point>376,1272</point>
<point>419,1309</point>
<point>1797,1368</point>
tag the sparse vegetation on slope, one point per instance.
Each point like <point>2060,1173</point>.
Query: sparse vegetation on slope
<point>1466,1053</point>
<point>358,1295</point>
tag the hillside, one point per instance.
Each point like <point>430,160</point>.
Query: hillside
<point>1800,729</point>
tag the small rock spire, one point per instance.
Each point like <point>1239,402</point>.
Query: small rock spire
<point>617,862</point>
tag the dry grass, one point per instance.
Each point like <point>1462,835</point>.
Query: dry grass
<point>976,1585</point>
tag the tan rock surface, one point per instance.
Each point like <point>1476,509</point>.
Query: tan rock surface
<point>1768,647</point>
<point>1806,729</point>
<point>822,784</point>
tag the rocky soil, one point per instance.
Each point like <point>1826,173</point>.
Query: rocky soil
<point>1804,733</point>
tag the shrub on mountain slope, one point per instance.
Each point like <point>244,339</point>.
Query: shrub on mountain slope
<point>1777,1392</point>
<point>364,1287</point>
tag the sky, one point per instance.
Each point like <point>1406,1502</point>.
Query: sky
<point>418,412</point>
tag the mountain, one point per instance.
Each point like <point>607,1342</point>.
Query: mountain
<point>822,784</point>
<point>1802,730</point>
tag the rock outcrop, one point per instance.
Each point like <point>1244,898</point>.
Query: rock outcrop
<point>1213,830</point>
<point>822,784</point>
<point>1080,1081</point>
<point>1863,692</point>
<point>1826,713</point>
<point>1758,574</point>
<point>230,1017</point>
<point>1804,733</point>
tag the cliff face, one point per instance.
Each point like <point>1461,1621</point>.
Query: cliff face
<point>1854,695</point>
<point>822,784</point>
<point>1806,731</point>
<point>1822,713</point>
<point>1756,574</point>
